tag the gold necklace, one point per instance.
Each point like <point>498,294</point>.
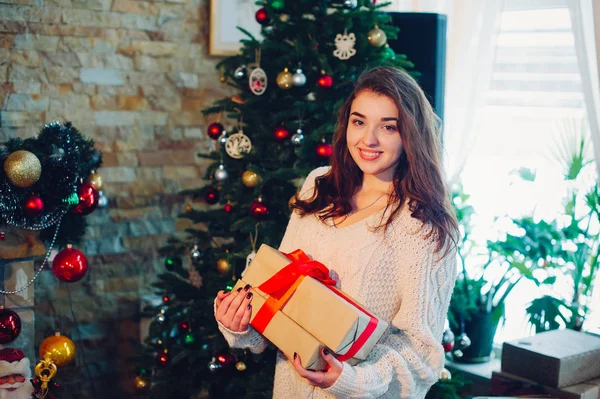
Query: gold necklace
<point>366,207</point>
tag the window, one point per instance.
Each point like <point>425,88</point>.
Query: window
<point>535,96</point>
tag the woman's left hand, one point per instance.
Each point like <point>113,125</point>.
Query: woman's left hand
<point>321,379</point>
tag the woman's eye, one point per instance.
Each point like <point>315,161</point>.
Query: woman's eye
<point>390,128</point>
<point>357,122</point>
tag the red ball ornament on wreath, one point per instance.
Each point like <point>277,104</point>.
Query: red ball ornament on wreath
<point>88,199</point>
<point>281,133</point>
<point>226,359</point>
<point>228,208</point>
<point>258,210</point>
<point>211,195</point>
<point>214,130</point>
<point>10,326</point>
<point>33,206</point>
<point>262,17</point>
<point>324,150</point>
<point>69,265</point>
<point>325,81</point>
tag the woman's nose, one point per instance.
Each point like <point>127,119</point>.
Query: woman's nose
<point>370,137</point>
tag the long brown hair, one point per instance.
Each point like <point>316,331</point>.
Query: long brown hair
<point>418,177</point>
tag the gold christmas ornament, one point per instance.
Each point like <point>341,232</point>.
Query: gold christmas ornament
<point>45,370</point>
<point>188,207</point>
<point>445,374</point>
<point>377,37</point>
<point>223,266</point>
<point>240,366</point>
<point>59,349</point>
<point>222,79</point>
<point>141,384</point>
<point>284,79</point>
<point>22,168</point>
<point>96,180</point>
<point>250,178</point>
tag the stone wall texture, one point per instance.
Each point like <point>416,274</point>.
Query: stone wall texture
<point>133,75</point>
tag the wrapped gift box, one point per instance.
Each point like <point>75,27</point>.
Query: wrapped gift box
<point>554,358</point>
<point>298,309</point>
<point>508,384</point>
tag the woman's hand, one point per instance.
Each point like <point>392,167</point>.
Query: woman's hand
<point>321,379</point>
<point>234,309</point>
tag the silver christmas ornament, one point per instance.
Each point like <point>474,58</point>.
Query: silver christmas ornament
<point>350,3</point>
<point>221,174</point>
<point>195,253</point>
<point>240,72</point>
<point>463,341</point>
<point>161,318</point>
<point>213,366</point>
<point>299,78</point>
<point>297,138</point>
<point>311,96</point>
<point>102,200</point>
<point>223,138</point>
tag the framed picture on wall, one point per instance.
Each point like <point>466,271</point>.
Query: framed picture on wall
<point>225,17</point>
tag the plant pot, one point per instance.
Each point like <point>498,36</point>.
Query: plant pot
<point>481,329</point>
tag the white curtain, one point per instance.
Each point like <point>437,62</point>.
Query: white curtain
<point>585,20</point>
<point>473,26</point>
<point>587,42</point>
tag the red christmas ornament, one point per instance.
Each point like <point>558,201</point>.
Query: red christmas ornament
<point>10,326</point>
<point>281,133</point>
<point>214,130</point>
<point>325,81</point>
<point>211,195</point>
<point>262,17</point>
<point>162,359</point>
<point>2,236</point>
<point>88,199</point>
<point>166,298</point>
<point>258,210</point>
<point>227,208</point>
<point>69,265</point>
<point>33,206</point>
<point>448,346</point>
<point>324,150</point>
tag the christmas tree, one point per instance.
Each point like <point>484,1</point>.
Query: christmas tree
<point>266,139</point>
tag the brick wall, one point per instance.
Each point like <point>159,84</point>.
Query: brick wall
<point>133,75</point>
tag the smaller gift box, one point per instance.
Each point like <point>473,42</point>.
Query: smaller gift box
<point>556,358</point>
<point>297,307</point>
<point>508,384</point>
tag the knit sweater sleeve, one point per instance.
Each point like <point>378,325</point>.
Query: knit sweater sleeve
<point>407,361</point>
<point>251,339</point>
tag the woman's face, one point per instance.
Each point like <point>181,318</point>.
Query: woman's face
<point>373,138</point>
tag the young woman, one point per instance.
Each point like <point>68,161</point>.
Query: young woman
<point>380,219</point>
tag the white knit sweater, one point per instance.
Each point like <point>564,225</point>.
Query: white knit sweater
<point>398,277</point>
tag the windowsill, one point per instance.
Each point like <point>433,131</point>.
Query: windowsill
<point>479,375</point>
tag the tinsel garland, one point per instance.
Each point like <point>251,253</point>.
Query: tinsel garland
<point>67,158</point>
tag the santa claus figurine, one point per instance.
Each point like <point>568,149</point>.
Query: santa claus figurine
<point>15,374</point>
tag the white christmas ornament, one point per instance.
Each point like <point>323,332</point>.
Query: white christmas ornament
<point>258,81</point>
<point>238,145</point>
<point>344,46</point>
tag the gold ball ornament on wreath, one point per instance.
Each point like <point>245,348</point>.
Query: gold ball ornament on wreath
<point>96,180</point>
<point>250,179</point>
<point>377,37</point>
<point>59,348</point>
<point>285,79</point>
<point>22,168</point>
<point>223,266</point>
<point>445,374</point>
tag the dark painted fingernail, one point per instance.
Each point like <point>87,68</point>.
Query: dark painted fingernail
<point>249,295</point>
<point>325,351</point>
<point>295,355</point>
<point>249,306</point>
<point>247,287</point>
<point>239,289</point>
